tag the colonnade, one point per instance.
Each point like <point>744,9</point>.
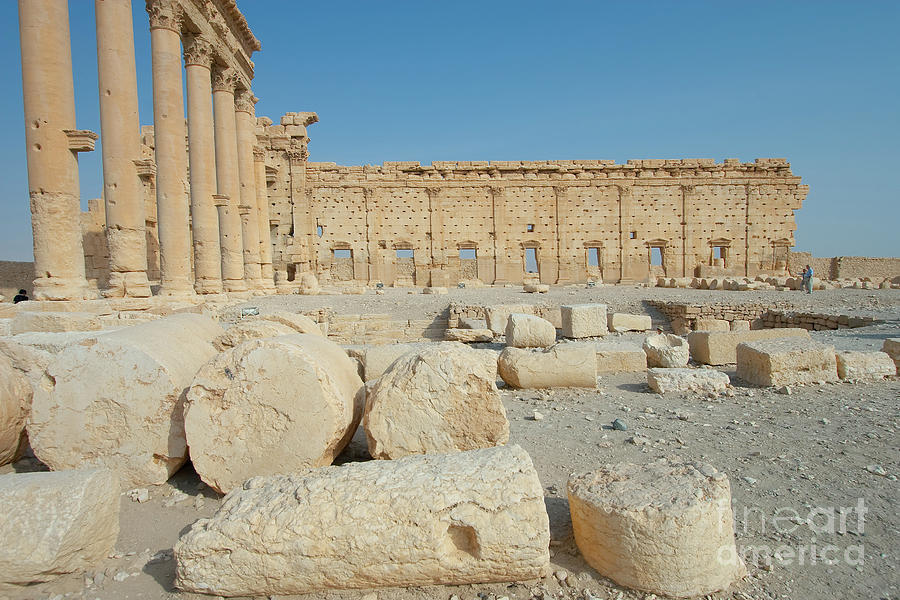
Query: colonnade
<point>219,213</point>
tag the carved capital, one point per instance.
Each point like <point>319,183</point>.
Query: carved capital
<point>244,101</point>
<point>259,154</point>
<point>688,189</point>
<point>224,80</point>
<point>432,191</point>
<point>560,190</point>
<point>297,155</point>
<point>198,51</point>
<point>164,14</point>
<point>495,190</point>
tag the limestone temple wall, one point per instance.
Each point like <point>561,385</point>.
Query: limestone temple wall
<point>556,221</point>
<point>847,267</point>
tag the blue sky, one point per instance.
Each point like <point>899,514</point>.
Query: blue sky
<point>815,82</point>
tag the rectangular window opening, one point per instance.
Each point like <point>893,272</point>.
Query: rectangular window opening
<point>593,257</point>
<point>656,256</point>
<point>319,230</point>
<point>530,227</point>
<point>531,263</point>
<point>342,253</point>
<point>634,235</point>
<point>720,252</point>
<point>405,253</point>
<point>467,254</point>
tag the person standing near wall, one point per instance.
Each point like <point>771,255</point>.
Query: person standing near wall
<point>806,279</point>
<point>22,296</point>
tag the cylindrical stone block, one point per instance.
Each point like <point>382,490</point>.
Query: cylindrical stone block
<point>15,399</point>
<point>245,121</point>
<point>271,406</point>
<point>228,183</point>
<point>471,517</point>
<point>198,55</point>
<point>116,400</point>
<point>664,528</point>
<point>562,365</point>
<point>171,159</point>
<point>121,145</point>
<point>49,101</point>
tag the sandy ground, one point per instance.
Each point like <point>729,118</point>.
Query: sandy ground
<point>801,457</point>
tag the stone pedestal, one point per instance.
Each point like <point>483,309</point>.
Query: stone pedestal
<point>198,54</point>
<point>230,238</point>
<point>245,121</point>
<point>171,158</point>
<point>120,131</point>
<point>49,100</point>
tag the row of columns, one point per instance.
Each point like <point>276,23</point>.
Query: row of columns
<point>226,214</point>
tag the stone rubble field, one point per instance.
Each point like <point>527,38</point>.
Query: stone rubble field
<point>792,457</point>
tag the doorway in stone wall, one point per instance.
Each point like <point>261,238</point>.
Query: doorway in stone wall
<point>532,266</point>
<point>656,255</point>
<point>468,262</point>
<point>342,263</point>
<point>593,261</point>
<point>405,264</point>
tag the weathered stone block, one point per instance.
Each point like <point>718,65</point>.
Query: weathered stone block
<point>469,335</point>
<point>54,321</point>
<point>664,528</point>
<point>619,357</point>
<point>471,517</point>
<point>115,401</point>
<point>562,365</point>
<point>663,381</point>
<point>740,325</point>
<point>441,399</point>
<point>57,522</point>
<point>271,406</point>
<point>712,325</point>
<point>497,316</point>
<point>299,323</point>
<point>584,320</point>
<point>251,329</point>
<point>865,365</point>
<point>438,291</point>
<point>529,331</point>
<point>720,347</point>
<point>536,288</point>
<point>377,359</point>
<point>891,347</point>
<point>15,403</point>
<point>785,361</point>
<point>666,350</point>
<point>621,322</point>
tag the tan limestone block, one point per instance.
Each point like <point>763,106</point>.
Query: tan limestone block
<point>663,381</point>
<point>720,348</point>
<point>584,320</point>
<point>740,325</point>
<point>15,403</point>
<point>497,316</point>
<point>251,329</point>
<point>536,288</point>
<point>54,321</point>
<point>271,406</point>
<point>891,346</point>
<point>469,335</point>
<point>664,528</point>
<point>865,365</point>
<point>529,331</point>
<point>377,359</point>
<point>666,350</point>
<point>441,399</point>
<point>562,365</point>
<point>471,517</point>
<point>80,416</point>
<point>56,522</point>
<point>620,357</point>
<point>621,322</point>
<point>309,285</point>
<point>438,291</point>
<point>786,361</point>
<point>712,325</point>
<point>300,323</point>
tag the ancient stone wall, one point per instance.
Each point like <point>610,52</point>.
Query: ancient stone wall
<point>847,267</point>
<point>556,221</point>
<point>14,276</point>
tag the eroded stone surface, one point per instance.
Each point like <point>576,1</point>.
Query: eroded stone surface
<point>296,321</point>
<point>15,402</point>
<point>271,406</point>
<point>57,522</point>
<point>562,365</point>
<point>470,517</point>
<point>720,347</point>
<point>621,322</point>
<point>667,351</point>
<point>469,335</point>
<point>584,320</point>
<point>891,347</point>
<point>251,330</point>
<point>115,401</point>
<point>529,331</point>
<point>786,361</point>
<point>25,321</point>
<point>664,528</point>
<point>864,365</point>
<point>619,357</point>
<point>663,381</point>
<point>440,399</point>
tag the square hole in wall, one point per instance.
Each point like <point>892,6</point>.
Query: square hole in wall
<point>530,227</point>
<point>633,235</point>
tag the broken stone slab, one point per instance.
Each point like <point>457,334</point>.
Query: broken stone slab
<point>712,325</point>
<point>663,381</point>
<point>469,335</point>
<point>666,350</point>
<point>622,322</point>
<point>467,323</point>
<point>437,291</point>
<point>891,347</point>
<point>562,365</point>
<point>536,288</point>
<point>56,522</point>
<point>864,365</point>
<point>26,321</point>
<point>583,320</point>
<point>115,401</point>
<point>271,406</point>
<point>377,359</point>
<point>251,329</point>
<point>664,528</point>
<point>299,323</point>
<point>497,316</point>
<point>443,519</point>
<point>15,403</point>
<point>720,347</point>
<point>529,331</point>
<point>739,325</point>
<point>309,286</point>
<point>786,361</point>
<point>440,399</point>
<point>619,357</point>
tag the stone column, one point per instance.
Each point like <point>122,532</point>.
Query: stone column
<point>120,131</point>
<point>171,158</point>
<point>198,57</point>
<point>245,118</point>
<point>262,219</point>
<point>227,181</point>
<point>49,98</point>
